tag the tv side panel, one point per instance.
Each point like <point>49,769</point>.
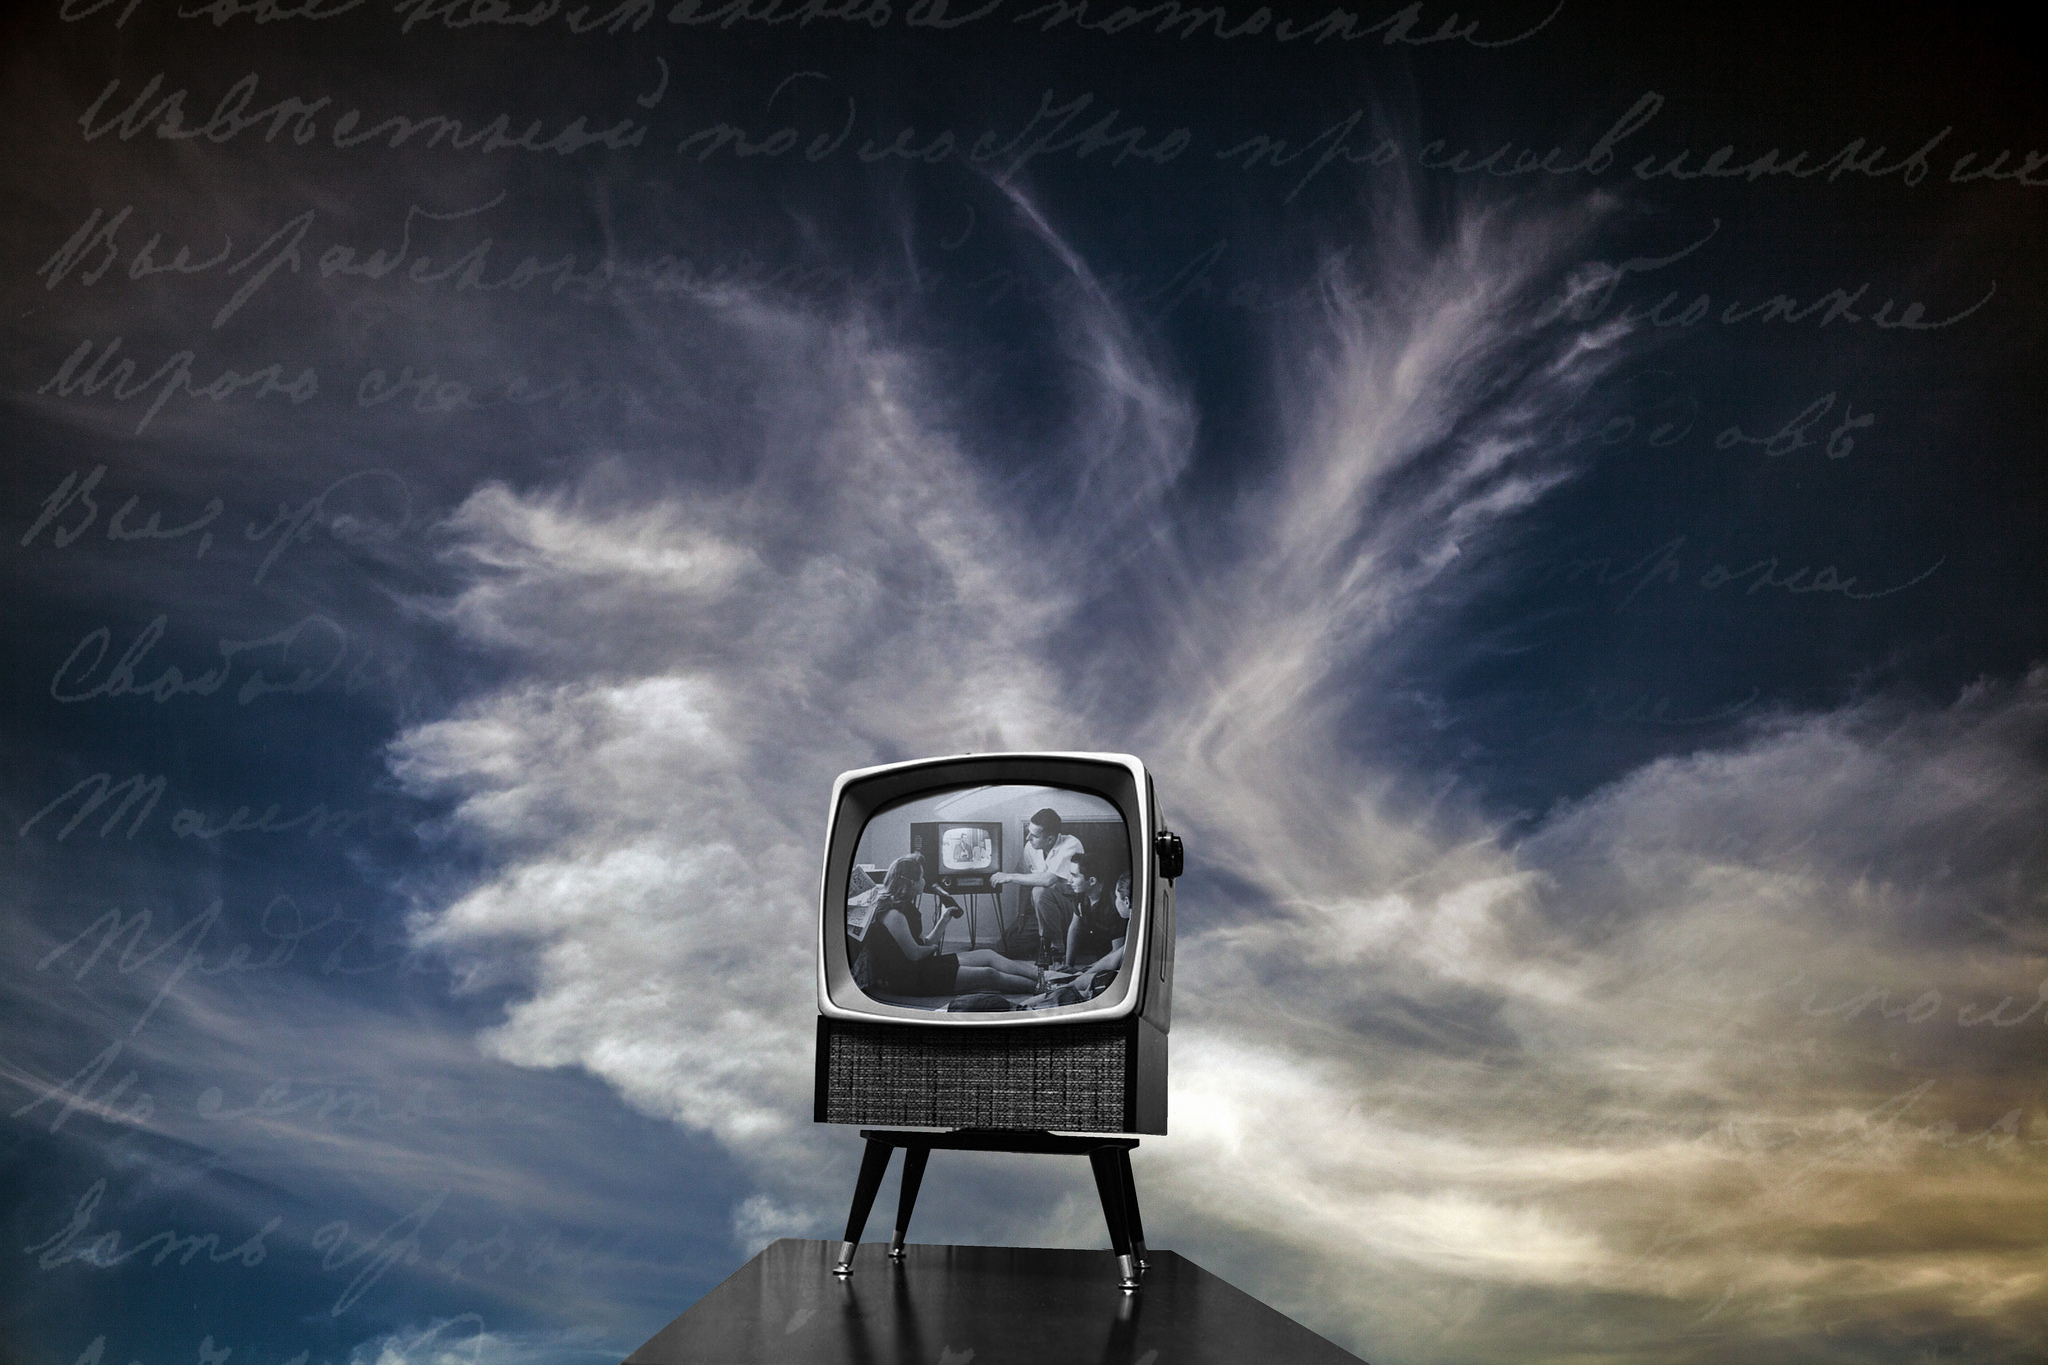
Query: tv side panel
<point>1158,966</point>
<point>1148,1077</point>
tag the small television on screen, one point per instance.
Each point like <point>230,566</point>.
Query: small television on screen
<point>959,854</point>
<point>995,944</point>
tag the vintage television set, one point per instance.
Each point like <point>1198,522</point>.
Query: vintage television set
<point>949,1036</point>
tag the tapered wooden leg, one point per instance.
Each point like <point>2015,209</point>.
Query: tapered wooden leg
<point>1109,1184</point>
<point>1137,1224</point>
<point>906,1199</point>
<point>872,1166</point>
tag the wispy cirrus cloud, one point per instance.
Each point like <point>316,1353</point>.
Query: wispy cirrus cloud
<point>1745,1037</point>
<point>1435,1086</point>
<point>710,662</point>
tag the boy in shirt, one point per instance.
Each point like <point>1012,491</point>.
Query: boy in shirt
<point>1100,918</point>
<point>1055,883</point>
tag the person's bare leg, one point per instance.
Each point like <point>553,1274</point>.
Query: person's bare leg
<point>989,957</point>
<point>994,979</point>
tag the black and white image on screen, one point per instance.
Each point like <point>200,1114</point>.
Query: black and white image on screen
<point>990,898</point>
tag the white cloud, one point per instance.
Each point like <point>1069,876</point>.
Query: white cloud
<point>759,1220</point>
<point>658,803</point>
<point>1726,1034</point>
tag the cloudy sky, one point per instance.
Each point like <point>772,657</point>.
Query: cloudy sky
<point>1554,493</point>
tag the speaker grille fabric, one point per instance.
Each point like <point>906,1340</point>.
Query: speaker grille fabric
<point>1076,1078</point>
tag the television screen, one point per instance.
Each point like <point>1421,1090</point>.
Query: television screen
<point>966,848</point>
<point>959,855</point>
<point>989,898</point>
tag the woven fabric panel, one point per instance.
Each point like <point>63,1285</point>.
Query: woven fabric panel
<point>1071,1078</point>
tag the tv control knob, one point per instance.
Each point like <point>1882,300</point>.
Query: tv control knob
<point>1166,845</point>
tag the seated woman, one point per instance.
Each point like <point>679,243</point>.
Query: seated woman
<point>897,958</point>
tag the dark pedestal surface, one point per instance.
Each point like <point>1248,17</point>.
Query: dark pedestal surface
<point>1006,1305</point>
